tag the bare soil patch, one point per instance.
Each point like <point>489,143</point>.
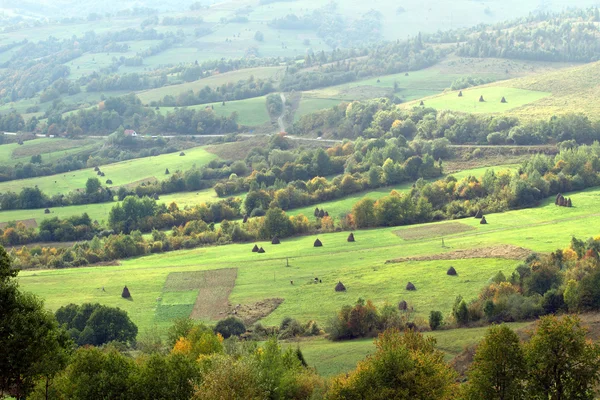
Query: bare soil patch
<point>250,313</point>
<point>502,251</point>
<point>433,230</point>
<point>214,289</point>
<point>29,223</point>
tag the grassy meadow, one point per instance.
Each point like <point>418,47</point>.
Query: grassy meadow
<point>251,112</point>
<point>50,149</point>
<point>213,82</point>
<point>492,95</point>
<point>361,266</point>
<point>120,173</point>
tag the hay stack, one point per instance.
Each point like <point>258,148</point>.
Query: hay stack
<point>460,94</point>
<point>406,74</point>
<point>451,271</point>
<point>410,286</point>
<point>421,103</point>
<point>275,240</point>
<point>481,100</point>
<point>321,213</point>
<point>181,154</point>
<point>340,287</point>
<point>483,221</point>
<point>108,182</point>
<point>96,169</point>
<point>403,305</point>
<point>351,237</point>
<point>318,243</point>
<point>47,211</point>
<point>316,214</point>
<point>245,218</point>
<point>569,204</point>
<point>99,173</point>
<point>326,214</point>
<point>167,171</point>
<point>503,100</point>
<point>126,294</point>
<point>557,200</point>
<point>261,250</point>
<point>255,249</point>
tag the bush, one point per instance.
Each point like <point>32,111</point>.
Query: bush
<point>435,320</point>
<point>230,326</point>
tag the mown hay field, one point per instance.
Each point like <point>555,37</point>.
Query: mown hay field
<point>361,266</point>
<point>50,149</point>
<point>120,173</point>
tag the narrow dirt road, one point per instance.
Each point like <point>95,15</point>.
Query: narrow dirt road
<point>280,119</point>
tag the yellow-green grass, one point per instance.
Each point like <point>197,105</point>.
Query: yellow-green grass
<point>492,95</point>
<point>212,81</point>
<point>50,149</point>
<point>251,112</point>
<point>360,266</point>
<point>332,358</point>
<point>309,105</point>
<point>99,212</point>
<point>120,173</point>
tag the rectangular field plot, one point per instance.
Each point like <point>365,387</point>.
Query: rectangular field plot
<point>199,294</point>
<point>433,230</point>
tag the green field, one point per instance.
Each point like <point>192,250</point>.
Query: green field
<point>492,95</point>
<point>360,266</point>
<point>99,212</point>
<point>310,105</point>
<point>120,173</point>
<point>50,149</point>
<point>212,82</point>
<point>332,358</point>
<point>251,112</point>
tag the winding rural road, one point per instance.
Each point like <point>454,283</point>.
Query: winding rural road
<point>280,119</point>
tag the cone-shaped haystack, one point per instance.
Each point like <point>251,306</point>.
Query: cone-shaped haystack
<point>255,249</point>
<point>245,219</point>
<point>460,94</point>
<point>167,171</point>
<point>275,240</point>
<point>403,305</point>
<point>261,250</point>
<point>126,294</point>
<point>483,221</point>
<point>182,154</point>
<point>503,100</point>
<point>451,271</point>
<point>410,286</point>
<point>481,100</point>
<point>557,200</point>
<point>340,287</point>
<point>316,214</point>
<point>478,214</point>
<point>321,213</point>
<point>326,214</point>
<point>96,169</point>
<point>351,237</point>
<point>318,243</point>
<point>421,103</point>
<point>47,211</point>
<point>569,204</point>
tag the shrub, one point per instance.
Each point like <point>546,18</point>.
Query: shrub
<point>435,319</point>
<point>230,326</point>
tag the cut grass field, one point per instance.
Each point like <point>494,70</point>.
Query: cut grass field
<point>251,112</point>
<point>50,149</point>
<point>120,173</point>
<point>492,95</point>
<point>213,82</point>
<point>361,266</point>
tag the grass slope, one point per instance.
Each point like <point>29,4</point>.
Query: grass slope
<point>251,112</point>
<point>360,266</point>
<point>120,173</point>
<point>212,81</point>
<point>50,149</point>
